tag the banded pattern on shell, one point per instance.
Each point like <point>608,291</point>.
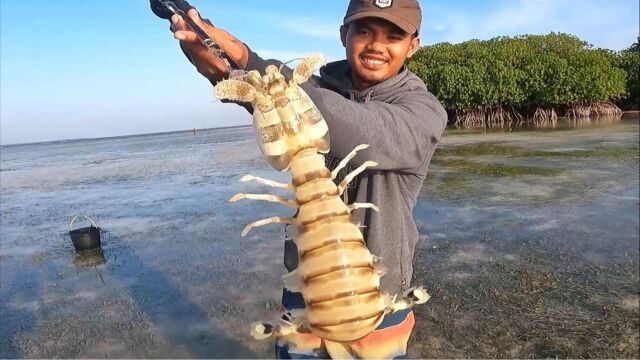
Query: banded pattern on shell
<point>336,273</point>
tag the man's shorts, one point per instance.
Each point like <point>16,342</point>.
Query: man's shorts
<point>388,341</point>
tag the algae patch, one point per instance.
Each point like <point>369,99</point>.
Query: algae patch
<point>542,303</point>
<point>465,167</point>
<point>500,149</point>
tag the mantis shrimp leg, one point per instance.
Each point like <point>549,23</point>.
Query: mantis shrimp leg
<point>352,175</point>
<point>356,206</point>
<point>266,182</point>
<point>265,197</point>
<point>271,220</point>
<point>346,159</point>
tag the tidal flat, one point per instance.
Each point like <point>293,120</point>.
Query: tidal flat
<point>529,246</point>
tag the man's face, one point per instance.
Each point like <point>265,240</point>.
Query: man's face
<point>376,50</point>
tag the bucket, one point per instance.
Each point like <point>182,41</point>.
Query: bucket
<point>87,237</point>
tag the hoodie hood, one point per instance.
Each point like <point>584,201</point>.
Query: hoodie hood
<point>337,77</point>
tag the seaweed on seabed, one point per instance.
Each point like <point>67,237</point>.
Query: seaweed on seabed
<point>541,302</point>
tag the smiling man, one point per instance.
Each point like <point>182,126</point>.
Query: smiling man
<point>378,41</point>
<point>369,98</point>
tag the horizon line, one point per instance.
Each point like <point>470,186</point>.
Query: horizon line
<point>121,136</point>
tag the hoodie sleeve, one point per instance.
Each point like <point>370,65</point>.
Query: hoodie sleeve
<point>400,134</point>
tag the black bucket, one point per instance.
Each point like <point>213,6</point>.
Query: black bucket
<point>85,238</point>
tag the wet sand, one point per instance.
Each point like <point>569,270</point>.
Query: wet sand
<point>529,246</point>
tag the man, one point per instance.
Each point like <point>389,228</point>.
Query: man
<point>369,98</point>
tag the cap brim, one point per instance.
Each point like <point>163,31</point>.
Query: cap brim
<point>396,20</point>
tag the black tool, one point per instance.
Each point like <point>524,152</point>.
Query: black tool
<point>166,9</point>
<point>162,11</point>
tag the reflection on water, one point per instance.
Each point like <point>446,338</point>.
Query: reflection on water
<point>557,124</point>
<point>529,246</point>
<point>88,258</point>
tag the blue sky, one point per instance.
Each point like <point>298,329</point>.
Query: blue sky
<point>95,68</point>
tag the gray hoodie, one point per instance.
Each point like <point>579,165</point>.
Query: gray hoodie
<point>402,122</point>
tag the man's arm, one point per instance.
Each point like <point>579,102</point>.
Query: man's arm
<point>399,135</point>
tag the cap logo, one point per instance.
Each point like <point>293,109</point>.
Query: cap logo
<point>382,3</point>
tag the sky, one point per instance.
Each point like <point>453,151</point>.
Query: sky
<point>98,68</point>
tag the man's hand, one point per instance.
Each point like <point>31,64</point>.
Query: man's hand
<point>205,62</point>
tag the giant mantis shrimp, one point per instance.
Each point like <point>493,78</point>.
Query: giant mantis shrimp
<point>337,275</point>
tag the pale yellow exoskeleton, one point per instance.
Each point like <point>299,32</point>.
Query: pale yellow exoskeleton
<point>337,275</point>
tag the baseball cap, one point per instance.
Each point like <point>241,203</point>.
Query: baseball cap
<point>405,14</point>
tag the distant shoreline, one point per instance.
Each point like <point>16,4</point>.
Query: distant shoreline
<point>124,136</point>
<point>626,113</point>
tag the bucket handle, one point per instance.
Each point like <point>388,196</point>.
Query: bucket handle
<point>75,217</point>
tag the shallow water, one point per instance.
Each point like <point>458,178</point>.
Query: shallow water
<point>529,246</point>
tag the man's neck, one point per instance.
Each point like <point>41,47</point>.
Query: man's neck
<point>360,85</point>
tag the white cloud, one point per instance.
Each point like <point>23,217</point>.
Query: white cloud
<point>610,24</point>
<point>308,26</point>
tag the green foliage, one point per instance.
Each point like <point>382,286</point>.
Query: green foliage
<point>629,61</point>
<point>524,72</point>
